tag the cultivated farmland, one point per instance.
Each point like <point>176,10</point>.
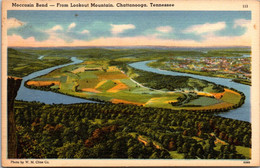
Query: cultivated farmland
<point>105,82</point>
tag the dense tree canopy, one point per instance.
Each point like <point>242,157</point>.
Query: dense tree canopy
<point>124,131</point>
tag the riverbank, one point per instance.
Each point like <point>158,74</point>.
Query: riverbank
<point>208,74</point>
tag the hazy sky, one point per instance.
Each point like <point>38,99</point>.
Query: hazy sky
<point>128,28</point>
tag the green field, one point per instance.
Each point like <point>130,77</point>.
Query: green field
<point>244,151</point>
<point>204,101</point>
<point>231,97</point>
<point>107,85</point>
<point>176,155</point>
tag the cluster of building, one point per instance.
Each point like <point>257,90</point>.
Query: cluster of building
<point>237,67</point>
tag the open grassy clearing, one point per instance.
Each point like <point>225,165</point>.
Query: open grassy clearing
<point>176,155</point>
<point>105,85</point>
<point>219,106</point>
<point>128,96</point>
<point>231,96</point>
<point>204,101</point>
<point>244,151</point>
<point>162,102</point>
<point>129,83</point>
<point>87,83</point>
<point>87,74</point>
<point>118,87</point>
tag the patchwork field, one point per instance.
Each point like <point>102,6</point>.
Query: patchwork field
<point>101,81</point>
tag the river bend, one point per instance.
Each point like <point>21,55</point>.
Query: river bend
<point>241,113</point>
<point>48,97</point>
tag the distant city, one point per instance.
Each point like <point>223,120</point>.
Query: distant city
<point>238,67</point>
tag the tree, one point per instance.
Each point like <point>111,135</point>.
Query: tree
<point>99,150</point>
<point>222,148</point>
<point>68,150</point>
<point>227,149</point>
<point>209,146</point>
<point>172,146</point>
<point>119,149</point>
<point>200,152</point>
<point>185,132</point>
<point>155,155</point>
<point>216,132</point>
<point>134,151</point>
<point>179,149</point>
<point>185,147</point>
<point>246,140</point>
<point>131,152</point>
<point>230,139</point>
<point>81,153</point>
<point>233,149</point>
<point>165,155</point>
<point>236,142</point>
<point>192,151</point>
<point>180,140</point>
<point>210,156</point>
<point>212,142</point>
<point>222,135</point>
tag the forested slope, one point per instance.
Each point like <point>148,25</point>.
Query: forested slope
<point>126,131</point>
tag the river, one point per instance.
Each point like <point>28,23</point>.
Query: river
<point>243,113</point>
<point>48,97</point>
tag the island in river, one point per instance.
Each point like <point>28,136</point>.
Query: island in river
<point>149,115</point>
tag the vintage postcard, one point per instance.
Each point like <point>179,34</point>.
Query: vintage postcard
<point>130,83</point>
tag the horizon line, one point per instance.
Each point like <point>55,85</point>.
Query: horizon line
<point>145,46</point>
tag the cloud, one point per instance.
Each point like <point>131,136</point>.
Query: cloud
<point>71,26</point>
<point>164,29</point>
<point>27,31</point>
<point>205,28</point>
<point>55,41</point>
<point>14,23</point>
<point>16,40</point>
<point>117,29</point>
<point>85,32</point>
<point>209,39</point>
<point>220,41</point>
<point>242,23</point>
<point>56,28</point>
